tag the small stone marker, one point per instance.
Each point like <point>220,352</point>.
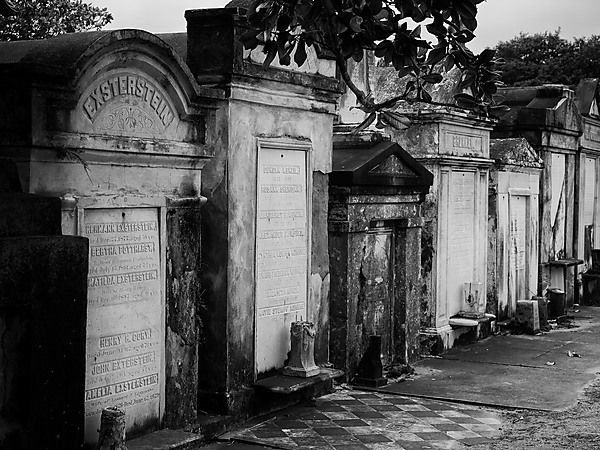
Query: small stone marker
<point>370,368</point>
<point>528,316</point>
<point>543,310</point>
<point>302,354</point>
<point>112,429</point>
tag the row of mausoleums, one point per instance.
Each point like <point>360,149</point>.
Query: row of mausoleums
<point>220,207</point>
<point>513,210</point>
<point>200,180</point>
<point>513,207</point>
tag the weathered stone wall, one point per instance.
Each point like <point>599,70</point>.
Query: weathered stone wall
<point>320,276</point>
<point>184,327</point>
<point>291,108</point>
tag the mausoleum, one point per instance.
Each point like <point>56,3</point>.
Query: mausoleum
<point>454,146</point>
<point>375,195</point>
<point>547,116</point>
<point>264,248</point>
<point>115,125</point>
<point>513,225</point>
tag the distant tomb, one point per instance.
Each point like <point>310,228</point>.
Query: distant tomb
<point>454,146</point>
<point>513,225</point>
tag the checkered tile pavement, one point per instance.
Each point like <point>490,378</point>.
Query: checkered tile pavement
<point>353,420</point>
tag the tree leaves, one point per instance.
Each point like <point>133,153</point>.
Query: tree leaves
<point>365,123</point>
<point>38,19</point>
<point>300,55</point>
<point>391,29</point>
<point>543,58</point>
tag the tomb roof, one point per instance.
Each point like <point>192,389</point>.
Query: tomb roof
<point>514,151</point>
<point>587,96</point>
<point>239,3</point>
<point>67,54</point>
<point>370,162</point>
<point>550,105</point>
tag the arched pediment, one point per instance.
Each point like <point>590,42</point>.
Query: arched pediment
<point>111,85</point>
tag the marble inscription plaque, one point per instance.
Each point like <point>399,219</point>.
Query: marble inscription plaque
<point>589,197</point>
<point>518,232</point>
<point>518,283</point>
<point>461,239</point>
<point>557,184</point>
<point>125,328</point>
<point>458,143</point>
<point>281,252</point>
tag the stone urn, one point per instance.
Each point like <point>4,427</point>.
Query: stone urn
<point>302,353</point>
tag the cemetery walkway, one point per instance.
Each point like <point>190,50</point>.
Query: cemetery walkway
<point>453,402</point>
<point>545,372</point>
<point>353,420</point>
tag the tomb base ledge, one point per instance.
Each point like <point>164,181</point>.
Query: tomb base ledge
<point>435,341</point>
<point>267,396</point>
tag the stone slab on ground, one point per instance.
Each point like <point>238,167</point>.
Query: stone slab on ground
<point>166,440</point>
<point>546,388</point>
<point>500,350</point>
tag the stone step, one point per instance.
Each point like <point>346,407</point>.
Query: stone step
<point>29,215</point>
<point>208,427</point>
<point>166,440</point>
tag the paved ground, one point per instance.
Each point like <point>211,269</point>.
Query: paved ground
<point>354,420</point>
<point>515,371</point>
<point>455,402</point>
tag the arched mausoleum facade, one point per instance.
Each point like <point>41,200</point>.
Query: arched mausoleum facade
<point>115,125</point>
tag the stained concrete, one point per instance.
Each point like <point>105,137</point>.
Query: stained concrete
<point>511,371</point>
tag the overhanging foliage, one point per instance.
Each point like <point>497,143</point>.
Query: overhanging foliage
<point>39,19</point>
<point>393,30</point>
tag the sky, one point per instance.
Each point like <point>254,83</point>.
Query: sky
<point>499,20</point>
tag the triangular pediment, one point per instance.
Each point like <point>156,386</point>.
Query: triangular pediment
<point>383,164</point>
<point>392,166</point>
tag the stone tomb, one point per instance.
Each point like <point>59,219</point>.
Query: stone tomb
<point>42,322</point>
<point>547,116</point>
<point>119,130</point>
<point>587,98</point>
<point>513,225</point>
<point>264,226</point>
<point>375,196</point>
<point>455,147</point>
